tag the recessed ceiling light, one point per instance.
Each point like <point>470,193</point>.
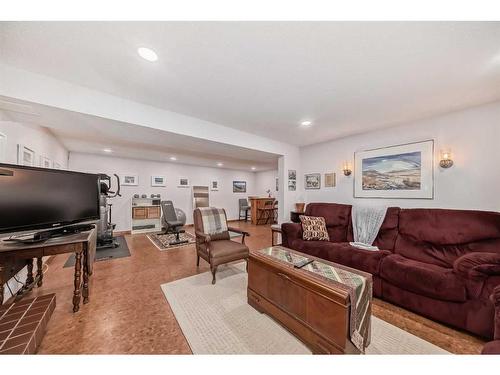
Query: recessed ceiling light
<point>306,123</point>
<point>220,164</point>
<point>147,54</point>
<point>253,168</point>
<point>173,158</point>
<point>108,150</point>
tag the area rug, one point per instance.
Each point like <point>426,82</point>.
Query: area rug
<point>162,241</point>
<point>216,319</point>
<point>121,251</point>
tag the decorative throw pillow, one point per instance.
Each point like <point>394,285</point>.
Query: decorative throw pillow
<point>314,228</point>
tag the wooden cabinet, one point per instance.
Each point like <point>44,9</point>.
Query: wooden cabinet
<point>140,213</point>
<point>153,212</point>
<point>315,312</point>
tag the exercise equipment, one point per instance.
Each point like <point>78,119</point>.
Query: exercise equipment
<point>105,227</point>
<point>172,223</point>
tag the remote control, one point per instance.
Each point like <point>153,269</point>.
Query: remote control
<point>303,263</point>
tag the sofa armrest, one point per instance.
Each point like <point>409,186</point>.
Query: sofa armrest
<point>495,298</point>
<point>478,265</point>
<point>290,232</point>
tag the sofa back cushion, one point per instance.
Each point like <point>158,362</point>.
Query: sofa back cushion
<point>440,236</point>
<point>388,232</point>
<point>337,218</point>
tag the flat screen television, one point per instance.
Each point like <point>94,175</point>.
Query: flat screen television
<point>37,198</point>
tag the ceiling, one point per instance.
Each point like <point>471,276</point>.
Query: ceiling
<point>90,134</point>
<point>267,77</point>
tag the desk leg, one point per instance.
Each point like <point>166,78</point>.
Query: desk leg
<point>78,281</point>
<point>39,272</point>
<point>29,276</point>
<point>85,291</point>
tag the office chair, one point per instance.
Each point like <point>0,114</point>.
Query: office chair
<point>171,223</point>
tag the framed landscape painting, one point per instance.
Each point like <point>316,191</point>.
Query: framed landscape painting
<point>239,187</point>
<point>403,171</point>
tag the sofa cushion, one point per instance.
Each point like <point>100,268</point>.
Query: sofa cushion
<point>345,254</point>
<point>313,228</point>
<point>337,218</point>
<point>423,278</point>
<point>439,236</point>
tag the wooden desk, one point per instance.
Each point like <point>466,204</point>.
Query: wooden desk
<point>257,203</point>
<point>82,244</point>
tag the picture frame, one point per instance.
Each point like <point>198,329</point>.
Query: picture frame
<point>129,179</point>
<point>183,182</point>
<point>214,185</point>
<point>330,180</point>
<point>277,184</point>
<point>25,156</point>
<point>158,181</point>
<point>239,186</point>
<point>45,162</point>
<point>292,185</point>
<point>402,171</point>
<point>312,181</point>
<point>292,174</point>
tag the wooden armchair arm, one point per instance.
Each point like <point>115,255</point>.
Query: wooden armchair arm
<point>202,237</point>
<point>237,230</point>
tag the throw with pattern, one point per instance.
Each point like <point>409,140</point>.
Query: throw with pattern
<point>214,220</point>
<point>358,286</point>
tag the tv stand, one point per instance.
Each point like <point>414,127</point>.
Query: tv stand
<point>44,235</point>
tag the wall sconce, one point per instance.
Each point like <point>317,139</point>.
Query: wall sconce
<point>345,168</point>
<point>446,161</point>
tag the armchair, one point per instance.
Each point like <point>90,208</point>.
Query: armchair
<point>213,242</point>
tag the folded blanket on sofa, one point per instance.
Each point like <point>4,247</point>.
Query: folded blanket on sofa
<point>366,222</point>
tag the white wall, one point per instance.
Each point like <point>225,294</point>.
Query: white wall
<point>35,137</point>
<point>472,183</point>
<point>43,143</point>
<point>181,197</point>
<point>266,181</point>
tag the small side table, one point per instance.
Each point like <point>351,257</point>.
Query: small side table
<point>275,229</point>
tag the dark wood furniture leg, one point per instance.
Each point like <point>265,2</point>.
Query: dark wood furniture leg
<point>29,276</point>
<point>39,272</point>
<point>1,292</point>
<point>214,270</point>
<point>197,260</point>
<point>76,293</point>
<point>85,290</point>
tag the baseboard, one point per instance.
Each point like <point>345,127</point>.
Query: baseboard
<point>121,232</point>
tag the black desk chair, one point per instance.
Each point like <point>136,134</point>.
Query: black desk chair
<point>171,223</point>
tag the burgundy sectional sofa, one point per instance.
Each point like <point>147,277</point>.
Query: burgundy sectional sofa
<point>442,264</point>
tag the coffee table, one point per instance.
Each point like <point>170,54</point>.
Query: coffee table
<point>325,305</point>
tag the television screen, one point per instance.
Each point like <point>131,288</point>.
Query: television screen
<point>35,198</point>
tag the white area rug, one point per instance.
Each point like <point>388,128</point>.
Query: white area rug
<point>216,319</point>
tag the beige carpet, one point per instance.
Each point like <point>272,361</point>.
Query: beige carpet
<point>218,320</point>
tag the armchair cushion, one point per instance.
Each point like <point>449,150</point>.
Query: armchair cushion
<point>477,265</point>
<point>314,228</point>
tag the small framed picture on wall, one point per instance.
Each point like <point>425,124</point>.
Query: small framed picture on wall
<point>313,181</point>
<point>158,181</point>
<point>45,162</point>
<point>239,186</point>
<point>25,156</point>
<point>183,182</point>
<point>214,185</point>
<point>129,179</point>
